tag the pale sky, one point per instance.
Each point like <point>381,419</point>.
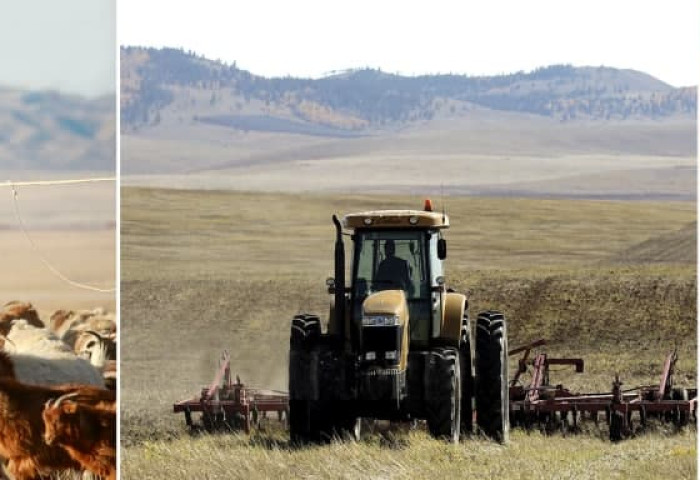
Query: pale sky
<point>65,45</point>
<point>309,38</point>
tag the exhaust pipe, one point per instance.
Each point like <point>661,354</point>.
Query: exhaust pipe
<point>339,277</point>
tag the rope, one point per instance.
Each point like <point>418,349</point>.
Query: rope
<point>43,259</point>
<point>56,182</point>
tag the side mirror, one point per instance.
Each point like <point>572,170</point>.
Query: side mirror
<point>439,286</point>
<point>330,283</point>
<point>442,249</point>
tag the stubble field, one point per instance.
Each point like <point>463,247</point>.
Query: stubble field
<point>612,282</point>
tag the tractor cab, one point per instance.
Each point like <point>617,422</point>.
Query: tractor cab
<point>398,250</point>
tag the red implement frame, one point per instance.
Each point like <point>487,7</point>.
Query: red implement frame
<point>225,404</point>
<point>542,401</point>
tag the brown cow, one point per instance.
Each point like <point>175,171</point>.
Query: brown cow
<point>87,433</point>
<point>22,426</point>
<point>68,324</point>
<point>15,310</point>
<point>58,318</point>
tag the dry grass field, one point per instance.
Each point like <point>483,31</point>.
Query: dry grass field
<point>207,271</point>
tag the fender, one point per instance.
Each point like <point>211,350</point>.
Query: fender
<point>453,313</point>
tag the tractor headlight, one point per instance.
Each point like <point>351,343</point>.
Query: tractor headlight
<point>380,320</point>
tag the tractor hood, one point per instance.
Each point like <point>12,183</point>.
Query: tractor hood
<point>387,302</point>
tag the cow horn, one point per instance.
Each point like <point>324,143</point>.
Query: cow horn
<point>92,332</point>
<point>64,397</point>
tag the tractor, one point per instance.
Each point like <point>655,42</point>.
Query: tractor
<point>398,345</point>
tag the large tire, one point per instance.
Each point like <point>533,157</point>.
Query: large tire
<point>306,330</point>
<point>304,335</point>
<point>299,417</point>
<point>351,428</point>
<point>333,417</point>
<point>443,406</point>
<point>465,360</point>
<point>341,422</point>
<point>492,397</point>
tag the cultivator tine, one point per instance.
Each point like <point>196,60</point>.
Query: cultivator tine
<point>617,390</point>
<point>666,382</point>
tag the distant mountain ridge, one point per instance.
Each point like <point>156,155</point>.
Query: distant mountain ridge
<point>358,102</point>
<point>46,130</point>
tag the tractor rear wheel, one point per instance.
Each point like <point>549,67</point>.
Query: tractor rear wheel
<point>299,421</point>
<point>304,335</point>
<point>306,330</point>
<point>492,396</point>
<point>443,406</point>
<point>467,394</point>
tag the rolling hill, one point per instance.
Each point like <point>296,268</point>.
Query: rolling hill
<point>360,101</point>
<point>45,130</point>
<point>595,132</point>
<point>679,246</point>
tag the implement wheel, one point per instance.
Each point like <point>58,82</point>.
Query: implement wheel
<point>617,432</point>
<point>681,418</point>
<point>492,400</point>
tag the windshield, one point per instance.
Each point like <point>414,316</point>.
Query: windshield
<point>388,260</point>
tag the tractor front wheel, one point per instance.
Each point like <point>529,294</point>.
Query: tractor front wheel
<point>443,406</point>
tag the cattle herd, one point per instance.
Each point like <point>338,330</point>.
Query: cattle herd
<point>57,392</point>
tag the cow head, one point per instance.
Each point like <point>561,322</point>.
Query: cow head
<point>58,318</point>
<point>95,347</point>
<point>18,310</point>
<point>61,419</point>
